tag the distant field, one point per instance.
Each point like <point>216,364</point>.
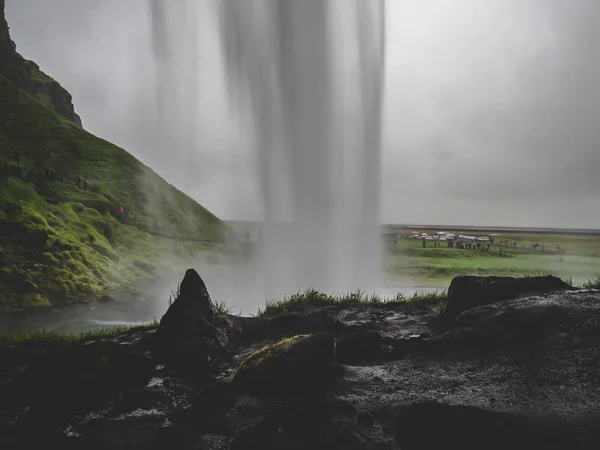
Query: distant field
<point>578,257</point>
<point>574,256</point>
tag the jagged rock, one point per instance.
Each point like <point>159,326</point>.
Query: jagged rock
<point>294,367</point>
<point>466,292</point>
<point>192,334</point>
<point>26,75</point>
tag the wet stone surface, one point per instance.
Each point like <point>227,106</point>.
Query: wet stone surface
<point>517,373</point>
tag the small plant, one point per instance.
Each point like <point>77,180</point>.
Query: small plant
<point>440,308</point>
<point>222,307</point>
<point>174,294</point>
<point>592,283</point>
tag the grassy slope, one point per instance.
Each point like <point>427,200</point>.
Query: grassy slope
<point>60,243</point>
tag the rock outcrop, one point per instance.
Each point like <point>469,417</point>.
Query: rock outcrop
<point>297,366</point>
<point>466,292</point>
<point>521,373</point>
<point>193,335</point>
<point>28,77</point>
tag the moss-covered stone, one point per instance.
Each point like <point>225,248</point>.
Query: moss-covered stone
<point>296,366</point>
<point>268,352</point>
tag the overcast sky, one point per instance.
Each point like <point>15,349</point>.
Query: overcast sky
<point>492,108</point>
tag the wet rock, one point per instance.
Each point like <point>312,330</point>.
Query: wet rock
<point>365,420</point>
<point>538,357</point>
<point>360,346</point>
<point>210,402</point>
<point>466,292</point>
<point>431,425</point>
<point>289,323</point>
<point>520,324</point>
<point>344,409</point>
<point>192,334</point>
<point>61,383</point>
<point>271,434</point>
<point>264,436</point>
<point>294,367</point>
<point>139,398</point>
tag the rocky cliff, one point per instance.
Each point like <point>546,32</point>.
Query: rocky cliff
<point>27,76</point>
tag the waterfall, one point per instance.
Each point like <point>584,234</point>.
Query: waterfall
<point>306,77</point>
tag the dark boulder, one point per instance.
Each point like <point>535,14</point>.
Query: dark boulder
<point>466,292</point>
<point>192,334</point>
<point>73,380</point>
<point>300,367</point>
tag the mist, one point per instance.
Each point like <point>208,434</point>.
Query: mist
<point>489,112</point>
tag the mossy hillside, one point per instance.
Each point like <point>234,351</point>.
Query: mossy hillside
<point>61,241</point>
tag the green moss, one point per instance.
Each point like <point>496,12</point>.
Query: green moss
<point>69,237</point>
<point>49,259</point>
<point>264,354</point>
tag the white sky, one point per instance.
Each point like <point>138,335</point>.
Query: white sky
<point>492,108</point>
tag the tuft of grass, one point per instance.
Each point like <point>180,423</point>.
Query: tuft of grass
<point>219,305</point>
<point>440,308</point>
<point>52,338</point>
<point>222,307</point>
<point>174,294</point>
<point>314,298</point>
<point>592,283</point>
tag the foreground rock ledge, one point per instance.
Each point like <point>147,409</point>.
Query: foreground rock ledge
<point>519,373</point>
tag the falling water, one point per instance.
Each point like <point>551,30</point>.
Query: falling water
<point>307,76</point>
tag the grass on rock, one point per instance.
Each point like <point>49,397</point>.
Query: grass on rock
<point>297,302</point>
<point>52,338</point>
<point>316,299</point>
